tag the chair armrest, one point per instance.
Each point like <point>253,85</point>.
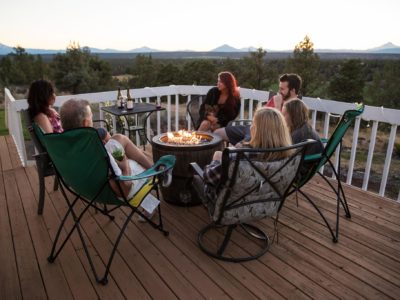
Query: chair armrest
<point>41,155</point>
<point>312,157</point>
<point>324,140</point>
<point>103,121</point>
<point>163,165</point>
<point>244,121</point>
<point>197,169</point>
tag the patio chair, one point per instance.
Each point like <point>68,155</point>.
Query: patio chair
<point>316,161</point>
<point>193,110</point>
<point>83,168</point>
<point>44,165</point>
<point>250,189</point>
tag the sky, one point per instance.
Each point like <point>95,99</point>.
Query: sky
<point>199,25</point>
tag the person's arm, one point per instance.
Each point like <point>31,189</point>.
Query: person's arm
<point>275,102</point>
<point>125,185</point>
<point>44,123</point>
<point>210,99</point>
<point>212,172</point>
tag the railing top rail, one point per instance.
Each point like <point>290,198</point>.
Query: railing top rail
<point>371,113</point>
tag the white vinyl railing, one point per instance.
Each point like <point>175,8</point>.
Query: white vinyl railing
<point>250,99</point>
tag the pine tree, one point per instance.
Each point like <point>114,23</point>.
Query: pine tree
<point>305,63</point>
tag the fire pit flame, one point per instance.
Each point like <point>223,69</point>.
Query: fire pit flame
<point>183,137</point>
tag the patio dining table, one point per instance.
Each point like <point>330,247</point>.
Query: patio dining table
<point>138,109</point>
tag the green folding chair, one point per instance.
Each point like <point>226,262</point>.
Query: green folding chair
<point>316,161</point>
<point>83,168</point>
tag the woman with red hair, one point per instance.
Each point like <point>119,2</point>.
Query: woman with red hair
<point>222,103</point>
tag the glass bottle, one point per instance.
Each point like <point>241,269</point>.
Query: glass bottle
<point>119,98</point>
<point>129,100</point>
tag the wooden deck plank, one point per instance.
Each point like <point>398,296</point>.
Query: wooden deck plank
<point>5,155</point>
<point>9,278</point>
<point>173,277</point>
<point>29,273</point>
<point>78,281</point>
<point>256,278</point>
<point>332,265</point>
<point>381,221</point>
<point>113,291</point>
<point>346,258</point>
<point>203,284</point>
<point>304,264</point>
<point>186,242</point>
<point>384,239</point>
<point>132,257</point>
<point>286,271</point>
<point>52,275</point>
<point>387,244</point>
<point>14,157</point>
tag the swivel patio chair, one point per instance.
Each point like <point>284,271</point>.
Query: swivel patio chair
<point>249,189</point>
<point>83,168</point>
<point>44,165</point>
<point>316,161</point>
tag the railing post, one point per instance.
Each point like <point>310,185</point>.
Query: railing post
<point>387,160</point>
<point>353,150</point>
<point>370,155</point>
<point>176,112</point>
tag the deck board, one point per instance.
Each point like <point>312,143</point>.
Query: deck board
<point>304,264</point>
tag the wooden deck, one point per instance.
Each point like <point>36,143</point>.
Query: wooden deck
<point>304,264</point>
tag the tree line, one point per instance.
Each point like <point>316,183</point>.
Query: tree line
<point>375,82</point>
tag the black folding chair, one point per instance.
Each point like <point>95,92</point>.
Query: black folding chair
<point>44,166</point>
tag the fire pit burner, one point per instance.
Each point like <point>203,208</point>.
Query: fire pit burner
<point>186,138</point>
<point>187,147</point>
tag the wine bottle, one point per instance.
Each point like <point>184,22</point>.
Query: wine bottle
<point>129,100</point>
<point>119,98</point>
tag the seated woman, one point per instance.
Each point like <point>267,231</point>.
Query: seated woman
<point>268,130</point>
<point>41,98</point>
<point>296,115</point>
<point>222,103</point>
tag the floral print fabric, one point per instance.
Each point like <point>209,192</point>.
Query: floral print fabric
<point>251,186</point>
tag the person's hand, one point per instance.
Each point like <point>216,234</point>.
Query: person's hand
<point>212,119</point>
<point>124,166</point>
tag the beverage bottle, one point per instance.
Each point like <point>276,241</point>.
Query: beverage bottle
<point>129,100</point>
<point>119,98</point>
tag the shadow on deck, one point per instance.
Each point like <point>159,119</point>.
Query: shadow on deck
<point>304,264</point>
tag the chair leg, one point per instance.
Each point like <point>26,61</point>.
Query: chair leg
<point>251,231</point>
<point>160,225</point>
<point>334,237</point>
<point>55,184</point>
<point>41,193</point>
<point>55,252</point>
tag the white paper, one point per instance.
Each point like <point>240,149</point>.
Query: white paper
<point>150,203</point>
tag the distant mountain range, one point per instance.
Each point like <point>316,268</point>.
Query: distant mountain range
<point>388,48</point>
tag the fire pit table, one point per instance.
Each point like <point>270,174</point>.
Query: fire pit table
<point>187,147</point>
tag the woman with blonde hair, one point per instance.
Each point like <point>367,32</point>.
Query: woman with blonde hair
<point>268,131</point>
